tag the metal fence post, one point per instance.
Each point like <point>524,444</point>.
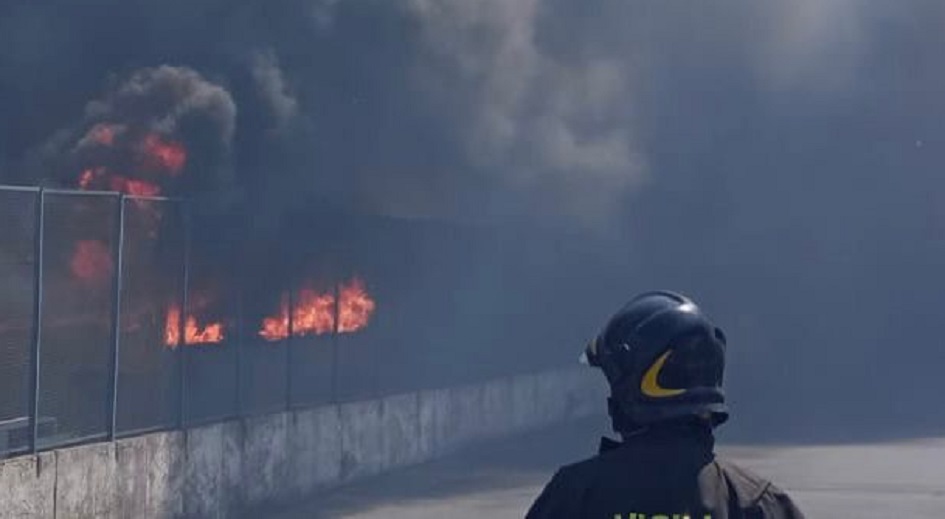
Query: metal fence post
<point>117,258</point>
<point>334,343</point>
<point>240,320</point>
<point>290,301</point>
<point>38,236</point>
<point>182,321</point>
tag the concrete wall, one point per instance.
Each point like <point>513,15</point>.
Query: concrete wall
<point>216,470</point>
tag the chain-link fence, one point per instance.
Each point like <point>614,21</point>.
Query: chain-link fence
<point>114,322</point>
<point>149,369</point>
<point>17,300</point>
<point>121,315</point>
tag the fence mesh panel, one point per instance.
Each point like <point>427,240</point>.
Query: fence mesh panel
<point>391,336</point>
<point>17,264</point>
<point>360,372</point>
<point>211,351</point>
<point>312,348</point>
<point>442,315</point>
<point>264,375</point>
<point>152,270</point>
<point>75,354</point>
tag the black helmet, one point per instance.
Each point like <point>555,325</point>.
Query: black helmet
<point>663,359</point>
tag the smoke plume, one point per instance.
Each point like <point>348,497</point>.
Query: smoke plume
<point>778,160</point>
<point>162,121</point>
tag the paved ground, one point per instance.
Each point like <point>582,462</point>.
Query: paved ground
<point>866,481</point>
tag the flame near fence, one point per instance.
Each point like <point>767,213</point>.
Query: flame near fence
<point>118,316</point>
<point>101,348</point>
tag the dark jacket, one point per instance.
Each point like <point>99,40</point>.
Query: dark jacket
<point>664,473</point>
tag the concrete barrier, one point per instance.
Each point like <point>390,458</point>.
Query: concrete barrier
<point>400,430</point>
<point>86,481</point>
<point>28,486</point>
<point>221,469</point>
<point>434,406</point>
<point>315,444</point>
<point>150,475</point>
<point>265,460</point>
<point>362,446</point>
<point>202,493</point>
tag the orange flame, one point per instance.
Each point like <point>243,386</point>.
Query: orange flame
<point>130,186</point>
<point>276,328</point>
<point>93,177</point>
<point>355,307</point>
<point>88,176</point>
<point>154,153</point>
<point>91,261</point>
<point>172,327</point>
<point>193,334</point>
<point>162,154</point>
<point>314,313</point>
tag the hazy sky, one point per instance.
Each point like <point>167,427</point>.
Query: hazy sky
<point>778,159</point>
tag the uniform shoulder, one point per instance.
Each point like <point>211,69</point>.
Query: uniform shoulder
<point>562,495</point>
<point>579,470</point>
<point>749,487</point>
<point>586,472</point>
<point>755,492</point>
<point>776,503</point>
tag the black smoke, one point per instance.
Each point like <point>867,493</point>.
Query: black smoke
<point>169,105</point>
<point>779,160</point>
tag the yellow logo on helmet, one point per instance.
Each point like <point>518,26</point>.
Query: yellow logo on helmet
<point>650,385</point>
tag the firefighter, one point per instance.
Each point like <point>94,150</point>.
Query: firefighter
<point>663,360</point>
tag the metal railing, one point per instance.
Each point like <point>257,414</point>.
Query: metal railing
<point>91,348</point>
<point>137,385</point>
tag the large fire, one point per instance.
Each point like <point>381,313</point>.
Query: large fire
<point>154,154</point>
<point>102,178</point>
<point>314,312</point>
<point>355,306</point>
<point>211,333</point>
<point>153,158</point>
<point>91,261</point>
<point>161,154</point>
<point>131,186</point>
